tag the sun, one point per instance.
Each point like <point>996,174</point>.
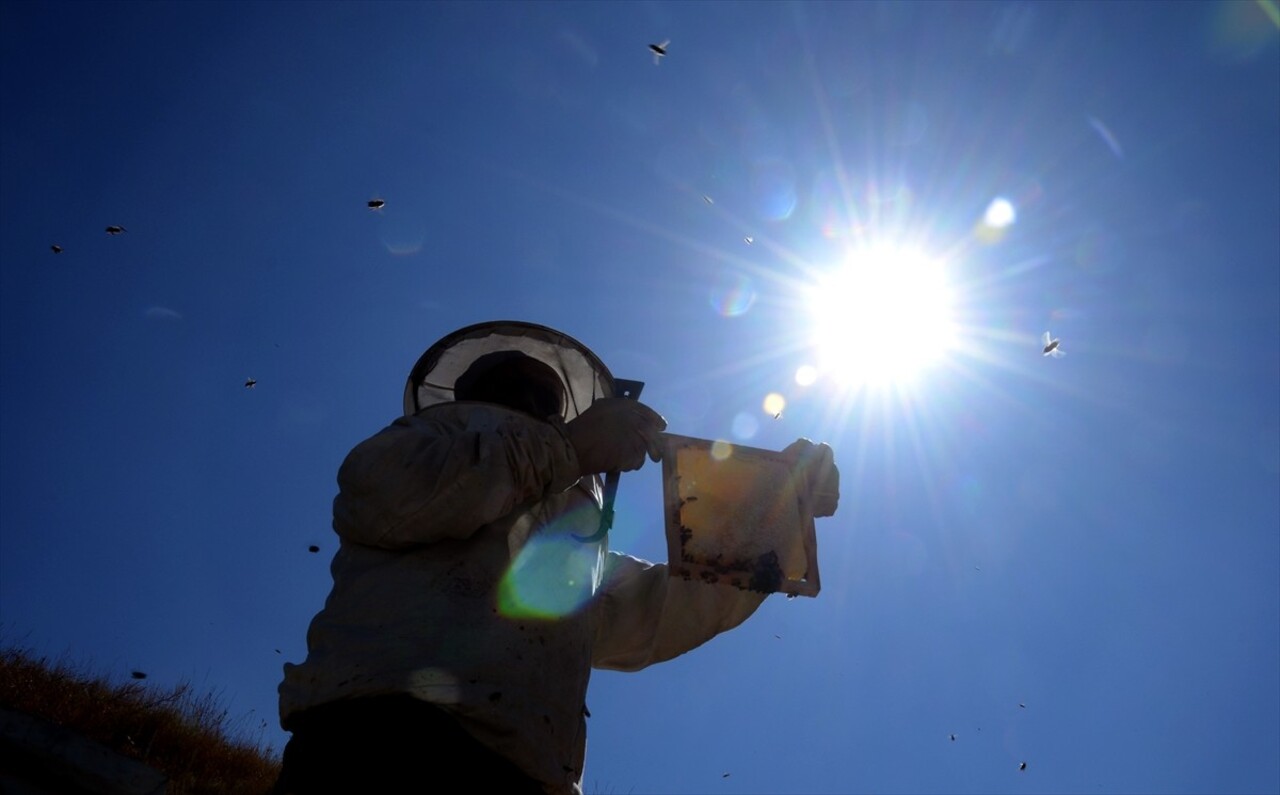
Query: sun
<point>881,317</point>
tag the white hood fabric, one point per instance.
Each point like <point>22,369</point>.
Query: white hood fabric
<point>458,580</point>
<point>432,378</point>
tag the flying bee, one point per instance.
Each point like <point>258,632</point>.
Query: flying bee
<point>1022,766</point>
<point>1051,346</point>
<point>56,249</point>
<point>313,548</point>
<point>139,675</point>
<point>376,204</point>
<point>115,230</point>
<point>659,50</point>
<point>748,240</point>
<point>708,199</point>
<point>250,382</point>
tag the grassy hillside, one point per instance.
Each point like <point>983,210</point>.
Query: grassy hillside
<point>185,735</point>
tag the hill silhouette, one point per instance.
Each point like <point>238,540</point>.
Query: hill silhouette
<point>184,735</point>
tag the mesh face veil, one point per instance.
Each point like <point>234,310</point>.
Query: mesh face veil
<point>514,380</point>
<point>442,372</point>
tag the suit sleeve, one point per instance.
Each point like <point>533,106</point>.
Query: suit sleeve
<point>422,480</point>
<point>644,616</point>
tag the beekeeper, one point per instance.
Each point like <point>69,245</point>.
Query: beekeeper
<point>471,597</point>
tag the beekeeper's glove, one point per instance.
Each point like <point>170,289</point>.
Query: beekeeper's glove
<point>615,434</point>
<point>817,466</point>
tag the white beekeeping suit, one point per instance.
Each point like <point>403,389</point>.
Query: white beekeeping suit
<point>462,578</point>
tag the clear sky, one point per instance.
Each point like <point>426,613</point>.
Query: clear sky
<point>927,189</point>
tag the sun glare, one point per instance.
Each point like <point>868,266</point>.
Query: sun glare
<point>881,317</point>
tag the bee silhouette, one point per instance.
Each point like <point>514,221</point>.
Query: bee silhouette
<point>1022,766</point>
<point>139,675</point>
<point>1051,346</point>
<point>56,249</point>
<point>708,199</point>
<point>313,548</point>
<point>659,51</point>
<point>953,738</point>
<point>748,240</point>
<point>376,204</point>
<point>250,382</point>
<point>115,230</point>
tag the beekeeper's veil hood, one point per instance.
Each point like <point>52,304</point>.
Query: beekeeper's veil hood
<point>433,378</point>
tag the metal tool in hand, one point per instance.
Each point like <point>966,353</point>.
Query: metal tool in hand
<point>627,389</point>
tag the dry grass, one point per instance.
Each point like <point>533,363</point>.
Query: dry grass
<point>182,734</point>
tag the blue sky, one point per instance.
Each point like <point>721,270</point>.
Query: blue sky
<point>1094,537</point>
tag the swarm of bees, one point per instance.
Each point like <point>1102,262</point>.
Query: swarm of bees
<point>113,230</point>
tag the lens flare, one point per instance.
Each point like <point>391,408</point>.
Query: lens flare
<point>824,206</point>
<point>774,404</point>
<point>1000,213</point>
<point>732,295</point>
<point>999,216</point>
<point>162,313</point>
<point>806,375</point>
<point>1108,137</point>
<point>720,449</point>
<point>553,576</point>
<point>1242,31</point>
